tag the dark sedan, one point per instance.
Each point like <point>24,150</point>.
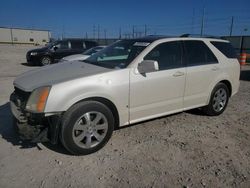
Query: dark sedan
<point>57,50</point>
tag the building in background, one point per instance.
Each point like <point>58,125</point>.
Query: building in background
<point>24,36</point>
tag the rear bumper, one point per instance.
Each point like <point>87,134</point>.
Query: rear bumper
<point>34,127</point>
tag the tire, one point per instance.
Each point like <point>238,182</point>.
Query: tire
<point>218,100</point>
<point>81,132</point>
<point>46,61</point>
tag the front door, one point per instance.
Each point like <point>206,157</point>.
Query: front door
<point>161,92</point>
<point>62,49</point>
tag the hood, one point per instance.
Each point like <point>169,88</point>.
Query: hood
<point>53,74</point>
<point>39,49</point>
<point>75,57</point>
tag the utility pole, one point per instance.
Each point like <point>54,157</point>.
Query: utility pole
<point>86,35</point>
<point>120,33</point>
<point>202,22</point>
<point>133,31</point>
<point>105,36</point>
<point>98,32</point>
<point>145,30</point>
<point>231,27</point>
<point>63,32</point>
<point>192,28</point>
<point>93,31</point>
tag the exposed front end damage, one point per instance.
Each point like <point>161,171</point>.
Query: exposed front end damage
<point>35,127</point>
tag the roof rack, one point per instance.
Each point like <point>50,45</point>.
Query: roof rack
<point>200,36</point>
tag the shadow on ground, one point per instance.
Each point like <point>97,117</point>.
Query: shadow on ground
<point>8,132</point>
<point>245,75</point>
<point>196,111</point>
<point>27,64</point>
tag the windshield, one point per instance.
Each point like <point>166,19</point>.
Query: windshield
<point>91,51</point>
<point>117,55</point>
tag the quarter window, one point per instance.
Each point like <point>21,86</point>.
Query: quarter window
<point>198,53</point>
<point>168,55</point>
<point>225,48</point>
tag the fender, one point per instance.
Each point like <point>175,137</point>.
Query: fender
<point>64,95</point>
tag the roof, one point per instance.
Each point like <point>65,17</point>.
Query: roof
<point>150,38</point>
<point>19,28</point>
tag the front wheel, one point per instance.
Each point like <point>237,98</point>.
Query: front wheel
<point>218,100</point>
<point>86,127</point>
<point>46,61</point>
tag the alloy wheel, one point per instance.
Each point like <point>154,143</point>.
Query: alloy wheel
<point>90,129</point>
<point>219,100</point>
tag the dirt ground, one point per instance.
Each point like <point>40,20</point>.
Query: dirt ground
<point>183,150</point>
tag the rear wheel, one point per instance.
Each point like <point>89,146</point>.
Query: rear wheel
<point>46,61</point>
<point>218,100</point>
<point>86,127</point>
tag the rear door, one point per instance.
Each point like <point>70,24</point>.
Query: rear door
<point>77,46</point>
<point>202,69</point>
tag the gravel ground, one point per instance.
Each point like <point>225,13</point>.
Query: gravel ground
<point>182,150</point>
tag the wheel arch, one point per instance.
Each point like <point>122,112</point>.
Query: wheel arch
<point>228,84</point>
<point>224,81</point>
<point>109,104</point>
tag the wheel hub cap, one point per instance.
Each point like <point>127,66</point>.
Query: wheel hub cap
<point>90,129</point>
<point>219,100</point>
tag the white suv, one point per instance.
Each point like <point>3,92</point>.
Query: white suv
<point>130,81</point>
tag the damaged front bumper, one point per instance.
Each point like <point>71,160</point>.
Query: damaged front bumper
<point>36,127</point>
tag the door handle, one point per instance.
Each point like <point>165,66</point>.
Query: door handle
<point>215,68</point>
<point>178,73</point>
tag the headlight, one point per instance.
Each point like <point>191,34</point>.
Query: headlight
<point>33,53</point>
<point>38,99</point>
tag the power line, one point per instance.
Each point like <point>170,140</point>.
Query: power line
<point>202,22</point>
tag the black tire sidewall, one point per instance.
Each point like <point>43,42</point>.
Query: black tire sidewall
<point>70,118</point>
<point>46,57</point>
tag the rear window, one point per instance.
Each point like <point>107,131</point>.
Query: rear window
<point>225,48</point>
<point>198,53</point>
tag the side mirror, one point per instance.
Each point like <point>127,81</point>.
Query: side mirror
<point>147,66</point>
<point>54,48</point>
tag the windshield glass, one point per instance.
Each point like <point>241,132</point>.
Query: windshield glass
<point>117,55</point>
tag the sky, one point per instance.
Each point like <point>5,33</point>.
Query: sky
<point>75,18</point>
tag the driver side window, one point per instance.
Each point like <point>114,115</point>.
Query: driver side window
<point>168,55</point>
<point>63,45</point>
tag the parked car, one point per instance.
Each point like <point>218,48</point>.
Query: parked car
<point>83,56</point>
<point>53,52</point>
<point>128,82</point>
